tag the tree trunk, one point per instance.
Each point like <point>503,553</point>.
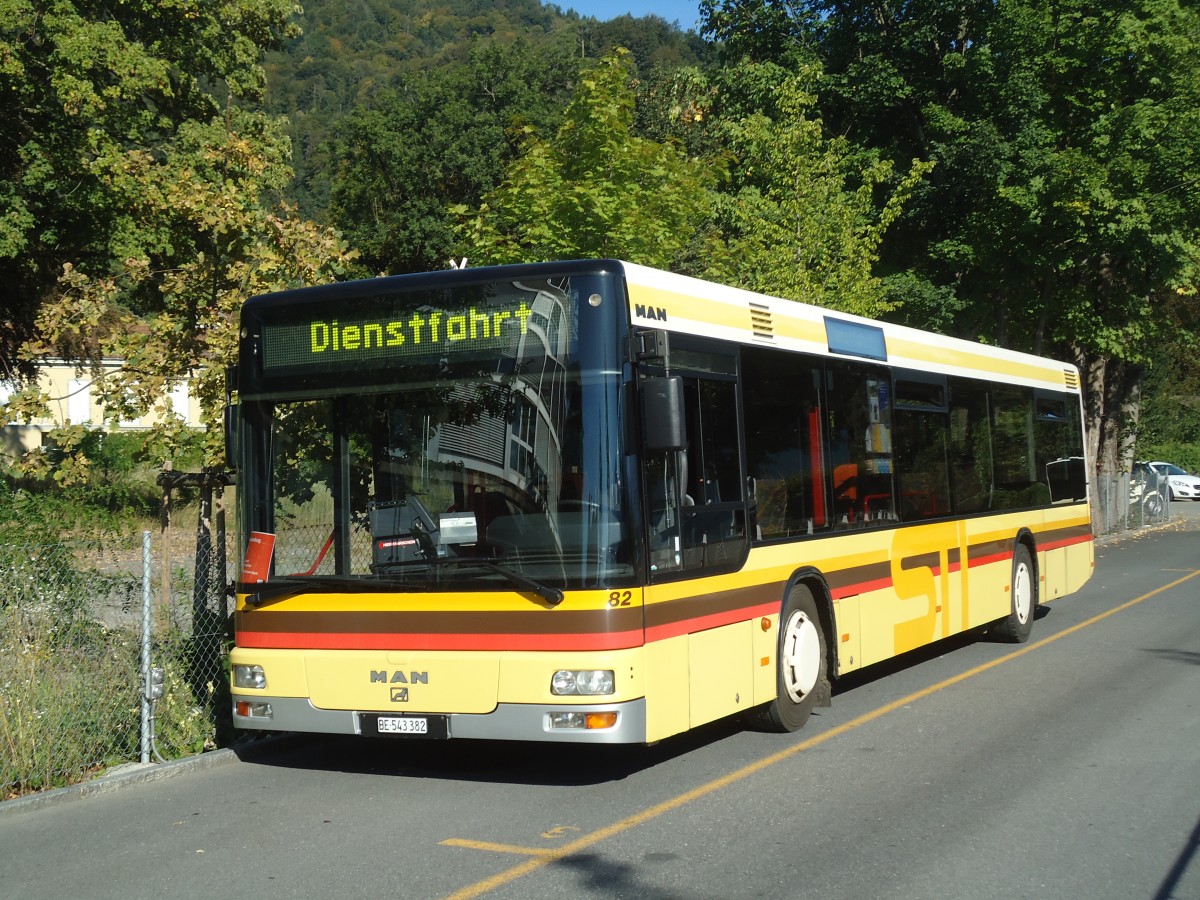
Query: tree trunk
<point>1131,414</point>
<point>1093,371</point>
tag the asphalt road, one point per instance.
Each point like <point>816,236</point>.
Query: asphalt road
<point>1066,767</point>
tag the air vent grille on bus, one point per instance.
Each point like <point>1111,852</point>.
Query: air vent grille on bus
<point>1071,377</point>
<point>761,321</point>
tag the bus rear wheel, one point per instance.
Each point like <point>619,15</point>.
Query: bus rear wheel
<point>802,676</point>
<point>1017,625</point>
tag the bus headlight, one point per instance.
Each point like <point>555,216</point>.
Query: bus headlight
<point>588,682</point>
<point>249,677</point>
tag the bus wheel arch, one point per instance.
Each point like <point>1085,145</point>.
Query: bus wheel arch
<point>1023,593</point>
<point>802,658</point>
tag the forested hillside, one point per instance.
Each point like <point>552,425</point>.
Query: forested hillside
<point>363,54</point>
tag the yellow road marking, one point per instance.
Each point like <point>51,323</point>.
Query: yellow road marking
<point>542,858</point>
<point>496,848</point>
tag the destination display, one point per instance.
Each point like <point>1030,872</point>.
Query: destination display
<point>328,343</point>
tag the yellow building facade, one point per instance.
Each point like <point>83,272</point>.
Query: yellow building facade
<point>74,398</point>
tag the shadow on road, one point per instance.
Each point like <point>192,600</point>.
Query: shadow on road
<point>905,661</point>
<point>500,762</point>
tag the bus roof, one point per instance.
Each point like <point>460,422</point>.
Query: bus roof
<point>678,303</point>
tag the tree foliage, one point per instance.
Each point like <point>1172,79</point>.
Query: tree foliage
<point>209,198</point>
<point>595,188</point>
<point>800,214</point>
<point>139,194</point>
<point>88,92</point>
<point>738,182</point>
<point>400,164</point>
<point>370,54</point>
<point>1062,214</point>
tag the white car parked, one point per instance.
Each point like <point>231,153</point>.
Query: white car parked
<point>1181,484</point>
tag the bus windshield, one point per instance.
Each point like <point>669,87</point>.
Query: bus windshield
<point>452,468</point>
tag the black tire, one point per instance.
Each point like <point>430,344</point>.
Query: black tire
<point>801,666</point>
<point>1017,625</point>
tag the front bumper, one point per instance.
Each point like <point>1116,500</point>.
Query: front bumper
<point>508,722</point>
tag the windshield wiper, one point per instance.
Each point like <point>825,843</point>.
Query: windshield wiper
<point>275,589</point>
<point>551,595</point>
<point>289,585</point>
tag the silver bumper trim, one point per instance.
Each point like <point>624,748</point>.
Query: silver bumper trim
<point>508,722</point>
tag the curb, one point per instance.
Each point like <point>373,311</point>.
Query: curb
<point>130,774</point>
<point>123,776</point>
<point>1177,523</point>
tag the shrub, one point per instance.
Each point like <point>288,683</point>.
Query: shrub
<point>67,708</point>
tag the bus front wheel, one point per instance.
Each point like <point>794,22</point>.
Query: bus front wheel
<point>802,676</point>
<point>1017,625</point>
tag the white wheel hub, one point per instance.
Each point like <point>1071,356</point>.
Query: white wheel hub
<point>1023,593</point>
<point>801,656</point>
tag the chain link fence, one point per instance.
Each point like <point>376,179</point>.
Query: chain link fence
<point>1129,502</point>
<point>83,624</point>
<point>91,631</point>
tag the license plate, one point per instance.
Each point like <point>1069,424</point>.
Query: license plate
<point>406,725</point>
<point>428,727</point>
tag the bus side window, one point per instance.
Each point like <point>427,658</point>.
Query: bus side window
<point>1058,448</point>
<point>973,481</point>
<point>785,457</point>
<point>859,417</point>
<point>922,447</point>
<point>1018,484</point>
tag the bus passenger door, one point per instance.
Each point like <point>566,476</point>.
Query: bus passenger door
<point>697,527</point>
<point>695,490</point>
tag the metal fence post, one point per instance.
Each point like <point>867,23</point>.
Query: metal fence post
<point>145,754</point>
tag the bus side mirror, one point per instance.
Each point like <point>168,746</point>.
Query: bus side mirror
<point>663,427</point>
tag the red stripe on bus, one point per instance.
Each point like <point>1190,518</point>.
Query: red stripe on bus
<point>862,587</point>
<point>1066,542</point>
<point>990,558</point>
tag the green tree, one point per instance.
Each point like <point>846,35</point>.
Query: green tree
<point>1062,216</point>
<point>400,164</point>
<point>84,87</point>
<point>207,194</point>
<point>373,54</point>
<point>595,188</point>
<point>139,191</point>
<point>800,213</point>
<point>779,31</point>
<point>1107,208</point>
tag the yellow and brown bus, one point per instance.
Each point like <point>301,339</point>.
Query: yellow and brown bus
<point>595,502</point>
